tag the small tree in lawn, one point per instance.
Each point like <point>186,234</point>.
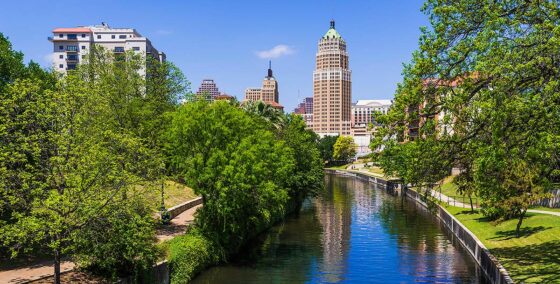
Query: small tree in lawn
<point>344,149</point>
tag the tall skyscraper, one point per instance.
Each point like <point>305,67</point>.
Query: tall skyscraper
<point>268,93</point>
<point>208,89</point>
<point>70,45</point>
<point>305,109</point>
<point>332,86</point>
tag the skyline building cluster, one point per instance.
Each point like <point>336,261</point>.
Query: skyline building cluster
<point>329,112</point>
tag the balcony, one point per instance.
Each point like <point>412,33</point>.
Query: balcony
<point>72,48</point>
<point>72,58</point>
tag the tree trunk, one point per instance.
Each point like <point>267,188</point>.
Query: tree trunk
<point>521,216</point>
<point>472,208</point>
<point>56,267</point>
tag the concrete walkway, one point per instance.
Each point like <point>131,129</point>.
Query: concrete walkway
<point>444,198</point>
<point>43,269</point>
<point>33,272</point>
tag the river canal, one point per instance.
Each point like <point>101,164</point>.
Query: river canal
<point>354,233</point>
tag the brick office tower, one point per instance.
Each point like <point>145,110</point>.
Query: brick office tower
<point>332,86</point>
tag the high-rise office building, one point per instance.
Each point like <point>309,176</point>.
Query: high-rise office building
<point>268,93</point>
<point>332,86</point>
<point>305,109</point>
<point>70,45</point>
<point>209,89</point>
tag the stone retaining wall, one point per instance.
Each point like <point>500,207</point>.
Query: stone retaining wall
<point>178,209</point>
<point>491,267</point>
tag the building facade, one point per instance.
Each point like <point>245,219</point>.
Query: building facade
<point>363,111</point>
<point>208,89</point>
<point>332,86</point>
<point>305,109</point>
<point>71,45</point>
<point>268,93</point>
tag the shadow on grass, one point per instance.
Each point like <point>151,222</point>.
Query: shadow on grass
<point>523,233</point>
<point>532,263</point>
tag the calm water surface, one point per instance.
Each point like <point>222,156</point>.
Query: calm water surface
<point>353,233</point>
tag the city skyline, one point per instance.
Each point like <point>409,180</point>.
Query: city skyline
<point>383,36</point>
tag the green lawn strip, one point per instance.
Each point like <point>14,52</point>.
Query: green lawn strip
<point>533,257</point>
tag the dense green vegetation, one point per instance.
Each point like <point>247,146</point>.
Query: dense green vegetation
<point>249,169</point>
<point>79,155</point>
<point>484,90</point>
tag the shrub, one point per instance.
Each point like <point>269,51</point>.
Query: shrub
<point>191,253</point>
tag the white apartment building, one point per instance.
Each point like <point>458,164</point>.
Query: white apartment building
<point>363,110</point>
<point>70,45</point>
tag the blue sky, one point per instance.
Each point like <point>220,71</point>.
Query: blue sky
<point>222,39</point>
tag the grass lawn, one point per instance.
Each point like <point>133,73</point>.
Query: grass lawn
<point>376,170</point>
<point>174,193</point>
<point>448,187</point>
<point>534,257</point>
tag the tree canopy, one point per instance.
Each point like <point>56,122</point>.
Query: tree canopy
<point>483,89</point>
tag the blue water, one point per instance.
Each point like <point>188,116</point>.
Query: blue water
<point>353,233</point>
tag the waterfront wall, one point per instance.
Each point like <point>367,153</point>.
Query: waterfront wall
<point>488,263</point>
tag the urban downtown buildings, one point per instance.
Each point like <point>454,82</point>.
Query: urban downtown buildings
<point>268,93</point>
<point>71,45</point>
<point>332,86</point>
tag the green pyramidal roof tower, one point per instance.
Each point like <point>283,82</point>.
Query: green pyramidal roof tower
<point>332,33</point>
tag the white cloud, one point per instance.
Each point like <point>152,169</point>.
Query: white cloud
<point>163,32</point>
<point>275,52</point>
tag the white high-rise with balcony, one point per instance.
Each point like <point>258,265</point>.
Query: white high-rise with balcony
<point>70,45</point>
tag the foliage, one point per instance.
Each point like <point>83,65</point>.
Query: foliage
<point>483,89</point>
<point>238,167</point>
<point>75,151</point>
<point>344,149</point>
<point>265,111</point>
<point>307,177</point>
<point>191,253</point>
<point>326,146</point>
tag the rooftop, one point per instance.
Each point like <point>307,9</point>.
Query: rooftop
<point>332,33</point>
<point>373,103</point>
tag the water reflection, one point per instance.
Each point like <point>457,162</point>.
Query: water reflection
<point>353,233</point>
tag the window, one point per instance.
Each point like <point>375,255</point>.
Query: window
<point>83,47</point>
<point>98,36</point>
<point>61,66</point>
<point>72,48</point>
<point>73,57</point>
<point>61,56</point>
<point>122,36</point>
<point>71,66</point>
<point>119,49</point>
<point>72,36</point>
<point>61,35</point>
<point>60,47</point>
<point>83,35</point>
<point>112,36</point>
<point>136,48</point>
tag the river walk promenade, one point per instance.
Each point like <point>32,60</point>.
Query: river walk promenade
<point>45,268</point>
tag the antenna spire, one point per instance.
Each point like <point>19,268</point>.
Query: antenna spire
<point>269,69</point>
<point>332,23</point>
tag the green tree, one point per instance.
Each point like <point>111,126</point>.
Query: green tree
<point>344,149</point>
<point>307,178</point>
<point>235,163</point>
<point>483,88</point>
<point>270,114</point>
<point>326,147</point>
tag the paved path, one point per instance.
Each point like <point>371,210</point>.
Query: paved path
<point>25,274</point>
<point>34,272</point>
<point>178,225</point>
<point>451,201</point>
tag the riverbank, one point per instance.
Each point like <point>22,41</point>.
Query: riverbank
<point>532,258</point>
